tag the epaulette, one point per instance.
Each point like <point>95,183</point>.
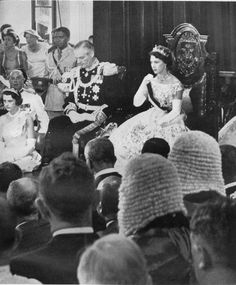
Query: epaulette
<point>108,69</point>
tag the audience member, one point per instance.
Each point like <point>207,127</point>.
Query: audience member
<point>7,240</point>
<point>33,232</point>
<point>100,158</point>
<point>36,53</point>
<point>113,259</point>
<point>12,57</point>
<point>17,138</point>
<point>60,58</point>
<point>151,209</point>
<point>156,145</point>
<point>3,30</point>
<point>32,102</point>
<point>228,153</point>
<point>108,205</point>
<point>213,234</point>
<point>197,158</point>
<point>65,200</point>
<point>8,173</point>
<point>90,38</point>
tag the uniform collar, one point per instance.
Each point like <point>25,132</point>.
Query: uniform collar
<point>75,230</point>
<point>104,171</point>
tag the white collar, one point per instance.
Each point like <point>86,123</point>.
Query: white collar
<point>76,230</point>
<point>105,171</point>
<point>20,224</point>
<point>230,185</point>
<point>110,222</point>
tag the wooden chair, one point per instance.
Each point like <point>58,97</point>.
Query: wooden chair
<point>196,69</point>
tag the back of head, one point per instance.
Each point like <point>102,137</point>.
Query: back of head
<point>213,224</point>
<point>197,158</point>
<point>7,226</point>
<point>21,196</point>
<point>113,259</point>
<point>150,189</point>
<point>8,173</point>
<point>67,187</point>
<point>109,195</point>
<point>156,145</point>
<point>228,153</point>
<point>100,150</point>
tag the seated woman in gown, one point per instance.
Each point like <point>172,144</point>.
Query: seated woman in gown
<point>17,142</point>
<point>12,57</point>
<point>164,120</point>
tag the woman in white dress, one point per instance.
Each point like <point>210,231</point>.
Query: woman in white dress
<point>164,119</point>
<point>17,142</point>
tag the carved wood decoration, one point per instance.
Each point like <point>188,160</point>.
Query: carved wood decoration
<point>189,53</point>
<point>195,68</point>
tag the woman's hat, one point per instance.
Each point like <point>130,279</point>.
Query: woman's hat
<point>150,188</point>
<point>10,32</point>
<point>197,158</point>
<point>33,33</point>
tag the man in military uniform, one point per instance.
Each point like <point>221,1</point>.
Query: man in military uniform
<point>92,93</point>
<point>60,59</point>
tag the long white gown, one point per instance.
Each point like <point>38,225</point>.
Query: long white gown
<point>13,142</point>
<point>128,138</point>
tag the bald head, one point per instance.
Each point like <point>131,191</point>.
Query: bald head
<point>21,196</point>
<point>99,154</point>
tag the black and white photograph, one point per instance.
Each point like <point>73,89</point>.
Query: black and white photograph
<point>117,142</point>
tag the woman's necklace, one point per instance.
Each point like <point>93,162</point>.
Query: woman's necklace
<point>163,78</point>
<point>15,114</point>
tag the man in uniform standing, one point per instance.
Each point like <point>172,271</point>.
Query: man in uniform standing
<point>60,59</point>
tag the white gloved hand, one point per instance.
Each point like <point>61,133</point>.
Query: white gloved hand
<point>148,78</point>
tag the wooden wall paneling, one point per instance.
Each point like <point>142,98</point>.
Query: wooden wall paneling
<point>179,12</point>
<point>193,14</point>
<point>102,29</point>
<point>232,35</point>
<point>117,33</point>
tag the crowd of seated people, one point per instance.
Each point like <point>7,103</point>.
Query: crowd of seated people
<point>63,83</point>
<point>167,218</point>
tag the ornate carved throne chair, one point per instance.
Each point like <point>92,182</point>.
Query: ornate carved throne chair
<point>196,69</point>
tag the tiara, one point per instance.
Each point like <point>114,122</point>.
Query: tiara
<point>162,50</point>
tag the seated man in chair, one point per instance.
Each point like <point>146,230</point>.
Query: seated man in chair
<point>93,90</point>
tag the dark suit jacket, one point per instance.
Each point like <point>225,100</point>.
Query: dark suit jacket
<point>32,235</point>
<point>57,262</point>
<point>105,175</point>
<point>98,222</point>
